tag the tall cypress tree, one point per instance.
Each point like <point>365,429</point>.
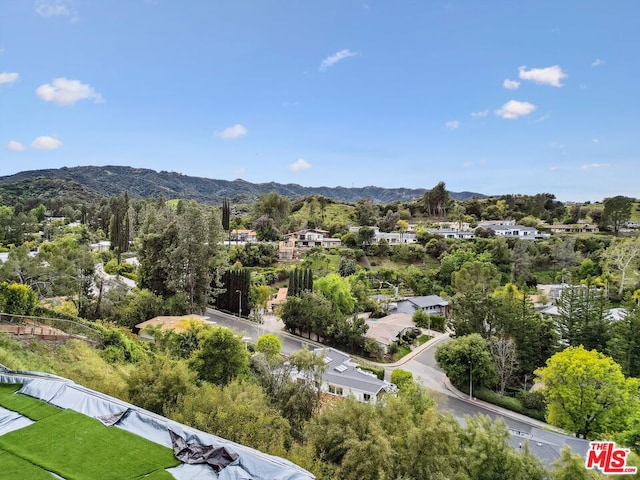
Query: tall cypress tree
<point>226,217</point>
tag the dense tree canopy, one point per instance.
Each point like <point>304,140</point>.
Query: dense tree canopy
<point>221,355</point>
<point>586,392</point>
<point>617,210</point>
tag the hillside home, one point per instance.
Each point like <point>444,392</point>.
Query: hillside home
<point>506,223</point>
<point>432,304</point>
<point>243,235</point>
<point>169,322</point>
<point>392,238</point>
<point>343,378</point>
<point>101,246</point>
<point>296,242</point>
<point>453,233</point>
<point>462,226</point>
<point>278,299</point>
<point>516,231</point>
<point>574,228</point>
<point>389,329</point>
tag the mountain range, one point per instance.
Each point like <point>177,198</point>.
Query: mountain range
<point>92,182</point>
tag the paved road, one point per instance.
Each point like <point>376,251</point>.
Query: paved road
<point>252,330</point>
<point>544,444</point>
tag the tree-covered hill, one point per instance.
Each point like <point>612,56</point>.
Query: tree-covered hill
<point>91,181</point>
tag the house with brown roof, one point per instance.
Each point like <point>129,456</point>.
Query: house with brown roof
<point>169,322</point>
<point>279,299</point>
<point>389,329</point>
<point>574,228</point>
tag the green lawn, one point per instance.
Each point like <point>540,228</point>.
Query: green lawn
<point>79,447</point>
<point>15,468</point>
<point>24,405</point>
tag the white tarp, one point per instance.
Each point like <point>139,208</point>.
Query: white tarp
<point>250,465</point>
<point>10,421</point>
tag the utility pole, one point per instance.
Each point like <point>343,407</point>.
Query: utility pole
<point>470,380</point>
<point>239,292</point>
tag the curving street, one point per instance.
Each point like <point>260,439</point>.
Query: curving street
<point>544,440</point>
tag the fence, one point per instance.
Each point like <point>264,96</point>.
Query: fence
<point>48,328</point>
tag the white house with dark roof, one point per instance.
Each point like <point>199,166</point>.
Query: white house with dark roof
<point>392,238</point>
<point>453,233</point>
<point>516,231</point>
<point>432,304</point>
<point>343,378</point>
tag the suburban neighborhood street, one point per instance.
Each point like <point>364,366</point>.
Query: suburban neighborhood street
<point>544,441</point>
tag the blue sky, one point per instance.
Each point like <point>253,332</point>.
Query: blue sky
<point>489,96</point>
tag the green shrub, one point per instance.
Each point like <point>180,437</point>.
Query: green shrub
<point>438,323</point>
<point>377,371</point>
<point>510,403</point>
<point>402,378</point>
<point>531,400</point>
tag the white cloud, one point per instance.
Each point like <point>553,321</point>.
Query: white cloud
<point>595,165</point>
<point>452,124</point>
<point>6,77</point>
<point>232,132</point>
<point>467,164</point>
<point>598,62</point>
<point>46,143</point>
<point>595,140</point>
<point>514,109</point>
<point>553,168</point>
<point>67,92</point>
<point>547,76</point>
<point>480,114</point>
<point>300,164</point>
<point>14,146</point>
<point>510,84</point>
<point>56,8</point>
<point>331,60</point>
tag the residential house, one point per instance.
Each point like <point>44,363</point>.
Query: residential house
<point>169,322</point>
<point>462,226</point>
<point>278,299</point>
<point>389,329</point>
<point>296,242</point>
<point>343,378</point>
<point>101,246</point>
<point>453,233</point>
<point>432,304</point>
<point>553,294</point>
<point>506,223</point>
<point>574,228</point>
<point>516,231</point>
<point>243,235</point>
<point>392,238</point>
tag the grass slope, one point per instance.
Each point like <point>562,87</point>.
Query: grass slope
<point>79,447</point>
<point>16,468</point>
<point>23,404</point>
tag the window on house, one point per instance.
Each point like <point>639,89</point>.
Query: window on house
<point>367,397</point>
<point>335,390</point>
